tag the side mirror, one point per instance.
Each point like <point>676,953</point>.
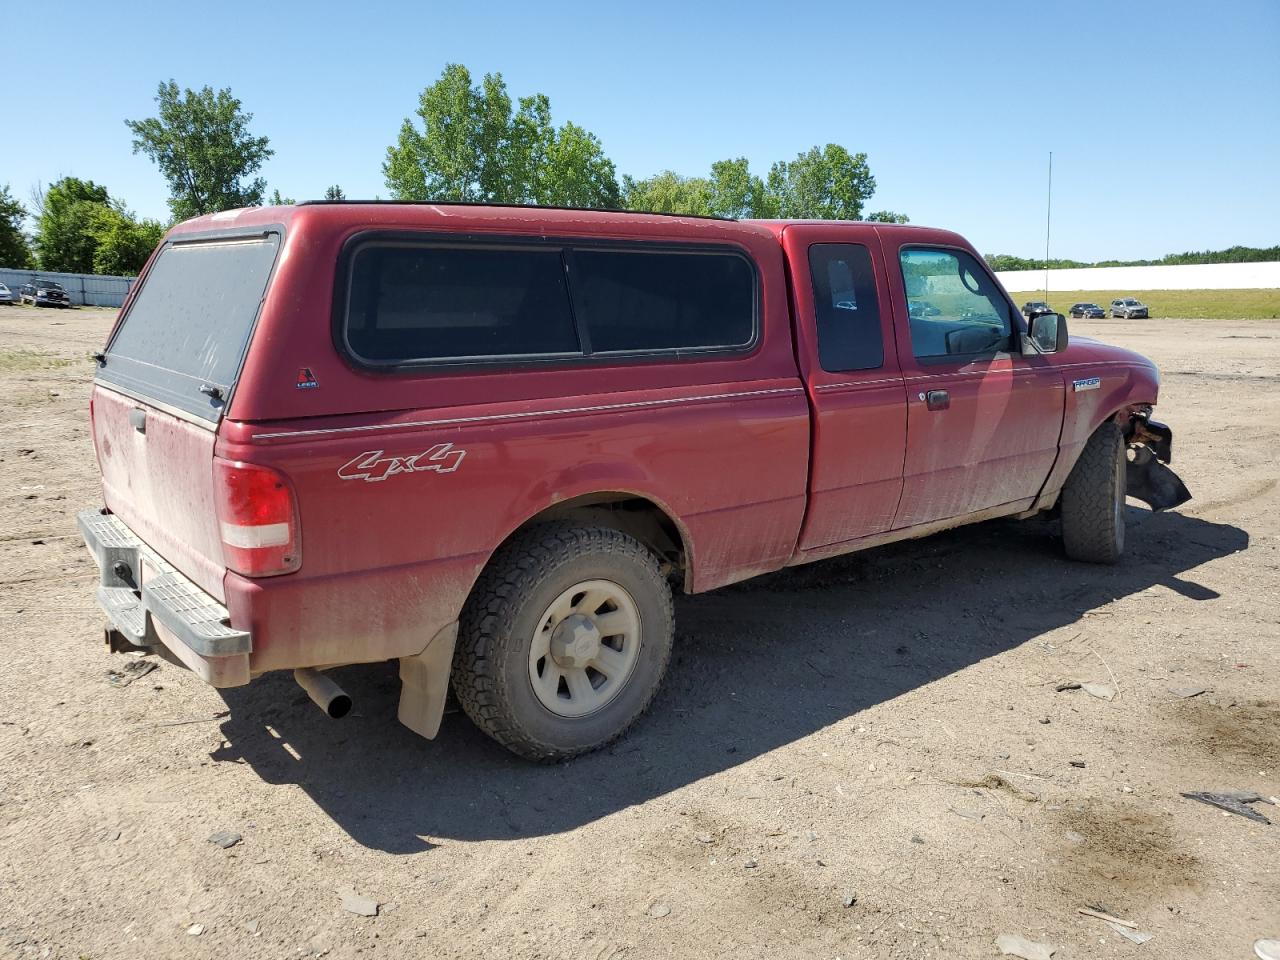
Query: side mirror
<point>1048,333</point>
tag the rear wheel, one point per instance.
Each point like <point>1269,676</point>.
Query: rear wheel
<point>1093,499</point>
<point>564,640</point>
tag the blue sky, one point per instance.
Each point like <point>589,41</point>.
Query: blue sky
<point>1163,118</point>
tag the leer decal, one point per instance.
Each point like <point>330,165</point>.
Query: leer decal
<point>372,466</point>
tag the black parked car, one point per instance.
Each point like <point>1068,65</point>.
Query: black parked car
<point>1036,308</point>
<point>1089,311</point>
<point>44,293</point>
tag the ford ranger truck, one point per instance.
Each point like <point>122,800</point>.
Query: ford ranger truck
<point>488,442</point>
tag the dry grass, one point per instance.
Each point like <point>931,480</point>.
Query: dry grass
<point>31,360</point>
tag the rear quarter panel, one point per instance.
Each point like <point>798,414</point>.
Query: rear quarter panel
<point>721,444</point>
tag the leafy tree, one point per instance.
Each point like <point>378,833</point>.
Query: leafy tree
<point>472,145</point>
<point>334,193</point>
<point>826,184</point>
<point>668,192</point>
<point>737,193</point>
<point>279,201</point>
<point>576,172</point>
<point>823,184</point>
<point>15,252</point>
<point>201,143</point>
<point>887,216</point>
<point>123,242</point>
<point>65,239</point>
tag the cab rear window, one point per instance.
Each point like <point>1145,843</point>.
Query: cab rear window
<point>184,337</point>
<point>416,303</point>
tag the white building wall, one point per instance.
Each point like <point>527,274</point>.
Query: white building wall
<point>1203,276</point>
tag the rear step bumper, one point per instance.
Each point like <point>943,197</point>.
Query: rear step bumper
<point>151,604</point>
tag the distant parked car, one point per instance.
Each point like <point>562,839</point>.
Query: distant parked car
<point>1128,308</point>
<point>1087,311</point>
<point>44,293</point>
<point>922,308</point>
<point>1036,308</point>
<point>6,297</point>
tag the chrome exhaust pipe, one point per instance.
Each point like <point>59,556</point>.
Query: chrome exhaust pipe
<point>326,694</point>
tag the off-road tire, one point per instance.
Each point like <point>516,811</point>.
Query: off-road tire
<point>1093,499</point>
<point>491,662</point>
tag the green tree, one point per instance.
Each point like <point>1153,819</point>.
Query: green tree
<point>736,192</point>
<point>822,184</point>
<point>279,201</point>
<point>576,172</point>
<point>469,144</point>
<point>334,193</point>
<point>668,192</point>
<point>123,242</point>
<point>887,216</point>
<point>65,240</point>
<point>15,252</point>
<point>201,143</point>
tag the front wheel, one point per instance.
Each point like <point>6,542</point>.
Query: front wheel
<point>1093,499</point>
<point>564,641</point>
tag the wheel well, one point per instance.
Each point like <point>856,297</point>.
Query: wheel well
<point>633,515</point>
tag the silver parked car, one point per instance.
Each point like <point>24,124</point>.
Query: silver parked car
<point>1128,308</point>
<point>6,296</point>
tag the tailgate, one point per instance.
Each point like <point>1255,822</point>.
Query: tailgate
<point>164,380</point>
<point>157,476</point>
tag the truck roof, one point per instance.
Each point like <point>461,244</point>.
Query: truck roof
<point>383,214</point>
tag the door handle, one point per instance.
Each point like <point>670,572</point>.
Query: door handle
<point>937,400</point>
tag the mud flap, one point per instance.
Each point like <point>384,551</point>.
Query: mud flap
<point>424,683</point>
<point>1149,480</point>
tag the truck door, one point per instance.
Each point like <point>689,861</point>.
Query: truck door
<point>849,360</point>
<point>983,421</point>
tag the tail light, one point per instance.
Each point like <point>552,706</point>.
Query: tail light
<point>258,519</point>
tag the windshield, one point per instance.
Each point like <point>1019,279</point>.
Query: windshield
<point>190,324</point>
<point>48,285</point>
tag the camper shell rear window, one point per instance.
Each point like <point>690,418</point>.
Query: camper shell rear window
<point>183,340</point>
<point>415,302</point>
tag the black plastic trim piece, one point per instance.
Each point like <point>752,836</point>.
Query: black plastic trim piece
<point>511,206</point>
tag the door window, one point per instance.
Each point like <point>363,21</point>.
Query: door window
<point>954,306</point>
<point>846,310</point>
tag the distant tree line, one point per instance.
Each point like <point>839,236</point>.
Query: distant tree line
<point>1004,261</point>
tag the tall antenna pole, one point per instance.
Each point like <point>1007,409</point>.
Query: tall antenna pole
<point>1048,213</point>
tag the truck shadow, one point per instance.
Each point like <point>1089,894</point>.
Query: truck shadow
<point>757,666</point>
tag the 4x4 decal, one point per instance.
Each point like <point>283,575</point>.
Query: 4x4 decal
<point>373,466</point>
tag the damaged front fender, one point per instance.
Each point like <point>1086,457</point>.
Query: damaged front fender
<point>1147,478</point>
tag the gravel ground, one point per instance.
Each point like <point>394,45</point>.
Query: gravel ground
<point>867,757</point>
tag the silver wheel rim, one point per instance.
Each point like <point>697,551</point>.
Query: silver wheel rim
<point>585,648</point>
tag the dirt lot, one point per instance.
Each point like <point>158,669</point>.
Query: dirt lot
<point>883,727</point>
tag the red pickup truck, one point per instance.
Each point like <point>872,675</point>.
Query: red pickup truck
<point>488,442</point>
